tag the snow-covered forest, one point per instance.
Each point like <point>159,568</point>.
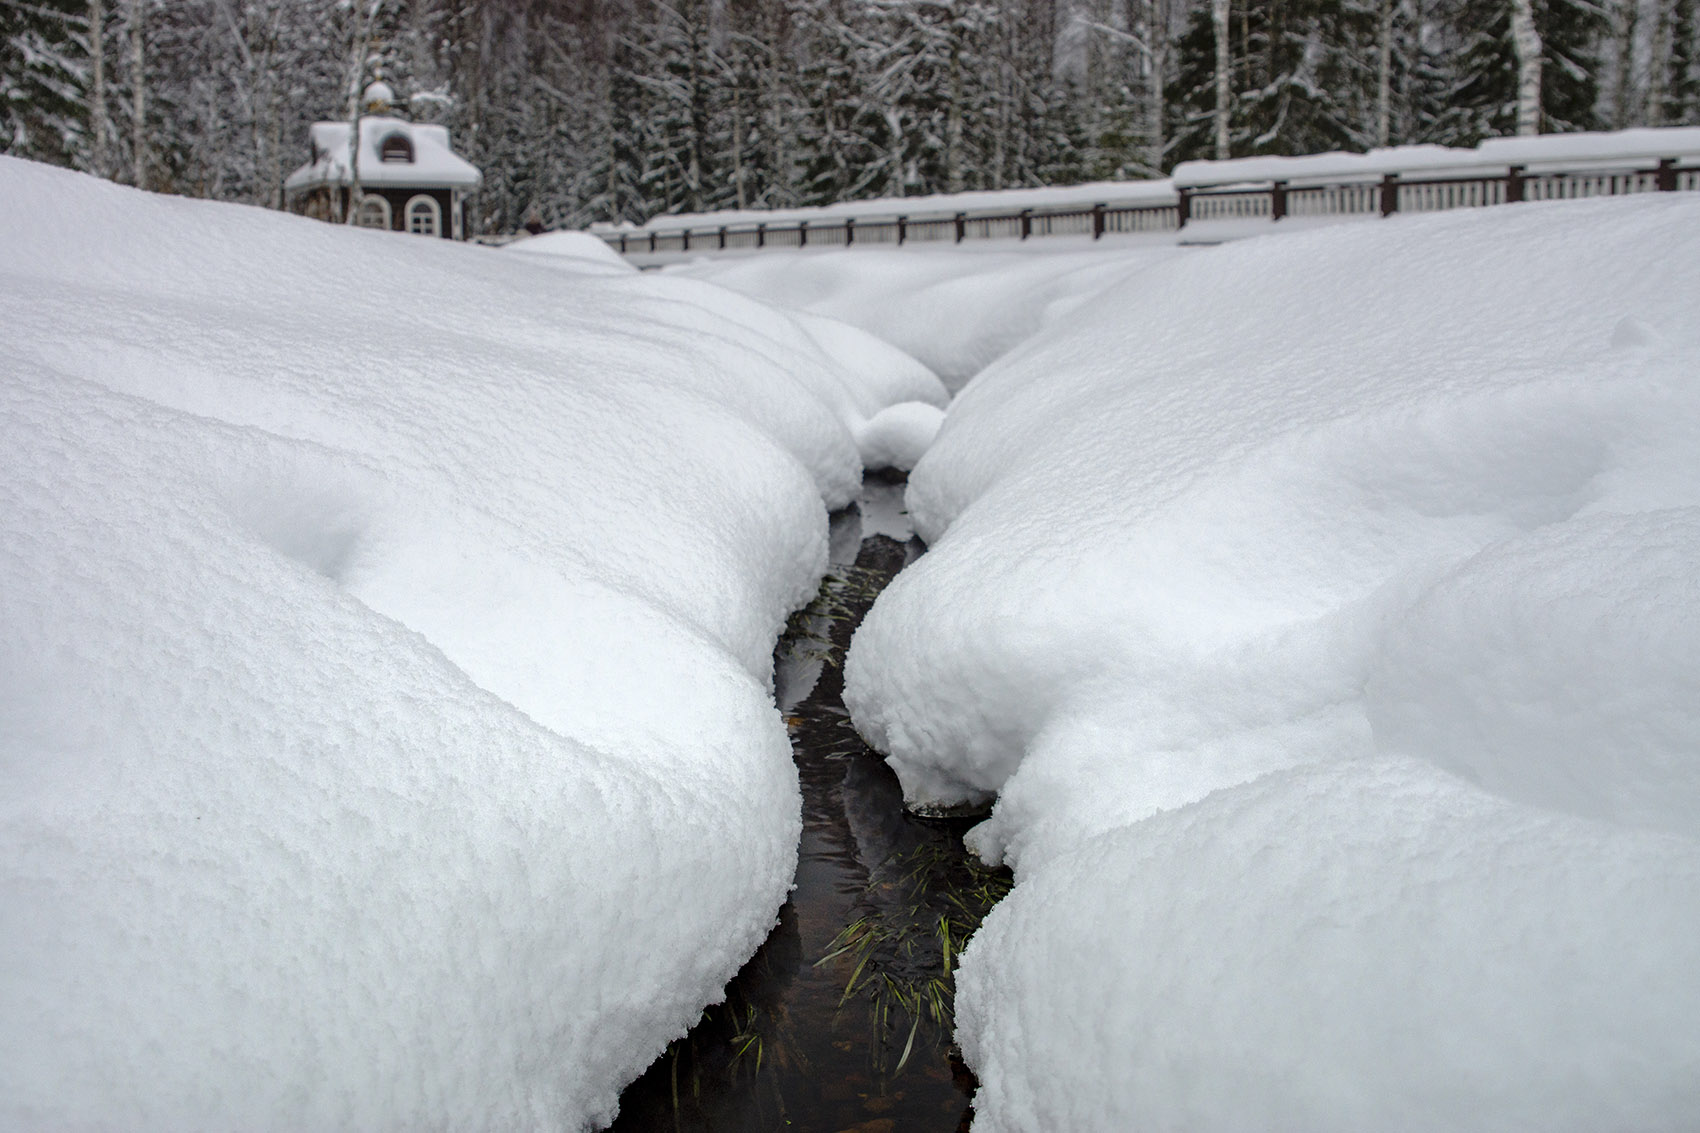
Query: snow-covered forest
<point>584,110</point>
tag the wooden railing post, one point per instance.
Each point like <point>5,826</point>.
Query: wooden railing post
<point>902,229</point>
<point>1514,184</point>
<point>849,231</point>
<point>652,239</point>
<point>1026,223</point>
<point>1277,200</point>
<point>802,234</point>
<point>761,235</point>
<point>1390,194</point>
<point>1183,207</point>
<point>685,240</point>
<point>961,226</point>
<point>1665,177</point>
<point>622,243</point>
<point>1097,221</point>
<point>723,237</point>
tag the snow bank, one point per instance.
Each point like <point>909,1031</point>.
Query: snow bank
<point>955,310</point>
<point>899,436</point>
<point>384,690</point>
<point>578,249</point>
<point>1322,613</point>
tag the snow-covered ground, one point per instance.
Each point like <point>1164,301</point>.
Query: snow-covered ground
<point>384,676</point>
<point>1324,613</point>
<point>956,308</point>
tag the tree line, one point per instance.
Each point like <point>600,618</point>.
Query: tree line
<point>583,110</point>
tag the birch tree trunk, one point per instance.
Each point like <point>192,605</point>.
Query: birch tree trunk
<point>953,125</point>
<point>1384,76</point>
<point>97,86</point>
<point>1526,42</point>
<point>1219,12</point>
<point>1658,71</point>
<point>357,91</point>
<point>738,146</point>
<point>1623,95</point>
<point>1151,28</point>
<point>894,156</point>
<point>138,104</point>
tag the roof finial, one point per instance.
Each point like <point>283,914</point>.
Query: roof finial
<point>377,98</point>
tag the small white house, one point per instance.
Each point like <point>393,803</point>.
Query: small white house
<point>405,178</point>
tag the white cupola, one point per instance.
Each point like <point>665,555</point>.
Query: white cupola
<point>377,98</point>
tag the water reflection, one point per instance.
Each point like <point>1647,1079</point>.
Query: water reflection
<point>882,903</point>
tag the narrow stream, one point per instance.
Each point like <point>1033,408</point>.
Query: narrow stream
<point>842,1021</point>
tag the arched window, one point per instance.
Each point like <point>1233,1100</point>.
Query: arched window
<point>396,147</point>
<point>424,217</point>
<point>374,212</point>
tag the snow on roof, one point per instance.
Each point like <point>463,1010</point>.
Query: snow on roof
<point>434,164</point>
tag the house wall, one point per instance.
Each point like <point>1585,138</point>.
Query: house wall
<point>398,199</point>
<point>330,204</point>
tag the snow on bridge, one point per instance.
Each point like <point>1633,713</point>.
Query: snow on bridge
<point>1210,200</point>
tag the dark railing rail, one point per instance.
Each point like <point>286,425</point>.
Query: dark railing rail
<point>1246,200</point>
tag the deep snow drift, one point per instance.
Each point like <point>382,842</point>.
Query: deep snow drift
<point>1324,611</point>
<point>384,683</point>
<point>956,309</point>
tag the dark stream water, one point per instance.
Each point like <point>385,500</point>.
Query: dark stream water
<point>842,1020</point>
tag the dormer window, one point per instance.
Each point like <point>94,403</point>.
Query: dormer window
<point>396,147</point>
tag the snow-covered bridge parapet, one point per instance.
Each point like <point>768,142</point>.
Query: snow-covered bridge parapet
<point>1215,199</point>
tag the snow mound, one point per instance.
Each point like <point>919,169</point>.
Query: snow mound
<point>581,249</point>
<point>1345,947</point>
<point>1583,642</point>
<point>1267,511</point>
<point>385,686</point>
<point>955,310</point>
<point>898,435</point>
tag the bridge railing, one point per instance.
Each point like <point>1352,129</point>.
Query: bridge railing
<point>1192,204</point>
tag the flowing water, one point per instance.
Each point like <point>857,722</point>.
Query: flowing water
<point>842,1020</point>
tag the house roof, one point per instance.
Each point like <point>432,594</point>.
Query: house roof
<point>434,164</point>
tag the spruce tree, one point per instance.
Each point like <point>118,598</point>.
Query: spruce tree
<point>43,80</point>
<point>1682,69</point>
<point>1482,91</point>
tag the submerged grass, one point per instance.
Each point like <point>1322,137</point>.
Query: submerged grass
<point>919,911</point>
<point>787,1048</point>
<point>844,596</point>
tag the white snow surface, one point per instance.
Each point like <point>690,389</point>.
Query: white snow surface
<point>385,678</point>
<point>579,249</point>
<point>898,436</point>
<point>1322,612</point>
<point>955,309</point>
